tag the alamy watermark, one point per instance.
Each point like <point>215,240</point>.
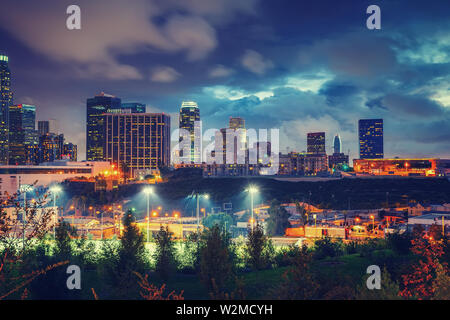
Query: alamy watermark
<point>228,146</point>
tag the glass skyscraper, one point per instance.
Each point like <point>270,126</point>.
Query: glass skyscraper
<point>370,138</point>
<point>132,107</point>
<point>337,144</point>
<point>95,131</point>
<point>22,132</point>
<point>6,99</point>
<point>190,121</point>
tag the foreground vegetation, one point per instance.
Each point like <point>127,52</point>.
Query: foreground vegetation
<point>211,265</point>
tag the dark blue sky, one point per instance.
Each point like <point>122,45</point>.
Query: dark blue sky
<point>298,66</point>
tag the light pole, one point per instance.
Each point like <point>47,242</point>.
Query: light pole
<point>55,190</point>
<point>148,191</point>
<point>373,223</point>
<point>24,188</point>
<point>198,208</point>
<point>252,190</point>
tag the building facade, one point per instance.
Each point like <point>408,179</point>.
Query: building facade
<point>22,132</point>
<point>370,138</point>
<point>138,141</point>
<point>6,99</point>
<point>337,146</point>
<point>95,130</point>
<point>190,121</point>
<point>403,167</point>
<point>316,143</point>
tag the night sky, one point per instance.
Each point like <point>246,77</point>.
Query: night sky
<point>299,66</point>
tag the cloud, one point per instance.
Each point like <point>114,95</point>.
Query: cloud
<point>114,28</point>
<point>355,55</point>
<point>220,71</point>
<point>164,74</point>
<point>255,62</point>
<point>193,34</point>
<point>412,105</point>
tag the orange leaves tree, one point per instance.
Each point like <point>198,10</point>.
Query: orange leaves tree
<point>419,282</point>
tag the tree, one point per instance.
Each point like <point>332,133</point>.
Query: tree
<point>441,285</point>
<point>256,241</point>
<point>389,289</point>
<point>165,253</point>
<point>119,263</point>
<point>216,263</point>
<point>418,283</point>
<point>223,220</point>
<point>278,219</point>
<point>298,282</point>
<point>301,211</point>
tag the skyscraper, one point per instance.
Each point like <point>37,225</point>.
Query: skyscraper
<point>190,121</point>
<point>370,138</point>
<point>22,132</point>
<point>337,144</point>
<point>6,99</point>
<point>133,107</point>
<point>50,147</point>
<point>43,127</point>
<point>237,123</point>
<point>95,131</point>
<point>316,143</point>
<point>139,141</point>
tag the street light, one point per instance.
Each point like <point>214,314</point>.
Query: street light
<point>373,222</point>
<point>148,191</point>
<point>206,196</point>
<point>101,223</point>
<point>315,220</point>
<point>252,190</point>
<point>55,190</point>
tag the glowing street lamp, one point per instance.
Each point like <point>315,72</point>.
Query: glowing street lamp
<point>148,191</point>
<point>252,190</point>
<point>206,196</point>
<point>315,220</point>
<point>55,190</point>
<point>373,222</point>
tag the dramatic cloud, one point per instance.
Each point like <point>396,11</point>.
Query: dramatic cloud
<point>220,71</point>
<point>298,66</point>
<point>255,62</point>
<point>164,74</point>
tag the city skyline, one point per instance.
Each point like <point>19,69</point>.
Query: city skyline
<point>272,74</point>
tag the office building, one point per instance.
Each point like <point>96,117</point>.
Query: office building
<point>43,127</point>
<point>337,144</point>
<point>95,130</point>
<point>132,107</point>
<point>338,161</point>
<point>6,99</point>
<point>370,138</point>
<point>138,141</point>
<point>45,175</point>
<point>403,167</point>
<point>316,143</point>
<point>50,147</point>
<point>22,132</point>
<point>190,121</point>
<point>69,151</point>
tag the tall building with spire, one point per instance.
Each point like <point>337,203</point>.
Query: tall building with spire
<point>6,99</point>
<point>337,144</point>
<point>190,121</point>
